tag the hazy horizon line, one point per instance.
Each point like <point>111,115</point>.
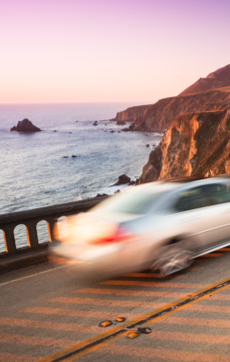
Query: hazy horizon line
<point>57,103</point>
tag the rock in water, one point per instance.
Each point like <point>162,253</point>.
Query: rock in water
<point>123,179</point>
<point>25,126</point>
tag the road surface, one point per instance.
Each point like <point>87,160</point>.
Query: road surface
<point>50,313</point>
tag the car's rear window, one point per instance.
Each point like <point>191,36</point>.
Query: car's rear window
<point>130,202</point>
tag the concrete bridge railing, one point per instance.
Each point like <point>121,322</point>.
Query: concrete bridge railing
<point>30,218</point>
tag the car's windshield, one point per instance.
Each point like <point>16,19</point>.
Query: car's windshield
<point>130,202</point>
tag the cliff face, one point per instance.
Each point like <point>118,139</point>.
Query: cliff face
<point>218,79</point>
<point>131,114</point>
<point>195,144</point>
<point>159,115</point>
<point>207,94</point>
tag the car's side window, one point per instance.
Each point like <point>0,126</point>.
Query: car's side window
<point>219,193</point>
<point>191,199</point>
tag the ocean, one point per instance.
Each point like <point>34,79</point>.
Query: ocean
<point>38,169</point>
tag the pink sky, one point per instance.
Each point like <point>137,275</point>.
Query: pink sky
<point>108,50</point>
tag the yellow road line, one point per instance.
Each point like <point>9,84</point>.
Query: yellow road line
<point>152,284</point>
<point>106,302</point>
<point>204,322</point>
<point>71,353</point>
<point>190,337</point>
<point>76,313</point>
<point>136,293</point>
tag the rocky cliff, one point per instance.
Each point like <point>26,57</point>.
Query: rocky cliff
<point>159,115</point>
<point>207,94</point>
<point>131,114</point>
<point>218,79</point>
<point>195,144</point>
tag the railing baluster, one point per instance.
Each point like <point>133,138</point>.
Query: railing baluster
<point>9,239</point>
<point>32,234</point>
<point>50,225</point>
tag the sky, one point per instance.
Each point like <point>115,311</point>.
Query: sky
<point>55,51</point>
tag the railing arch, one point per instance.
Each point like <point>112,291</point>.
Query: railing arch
<point>30,218</point>
<point>42,228</point>
<point>2,240</point>
<point>21,236</point>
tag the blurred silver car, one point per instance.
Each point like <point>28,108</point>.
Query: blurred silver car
<point>159,226</point>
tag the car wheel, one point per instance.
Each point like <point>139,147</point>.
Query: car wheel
<point>174,257</point>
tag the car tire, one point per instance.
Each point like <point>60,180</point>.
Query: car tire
<point>175,256</point>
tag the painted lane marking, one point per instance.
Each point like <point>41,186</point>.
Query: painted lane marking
<point>96,342</point>
<point>204,322</point>
<point>211,308</point>
<point>136,293</point>
<point>75,312</point>
<point>55,326</point>
<point>152,284</point>
<point>33,275</point>
<point>190,337</point>
<point>35,341</point>
<point>106,302</point>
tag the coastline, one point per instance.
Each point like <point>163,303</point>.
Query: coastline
<point>34,172</point>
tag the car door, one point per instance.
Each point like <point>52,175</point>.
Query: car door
<point>218,213</point>
<point>191,207</point>
<point>204,212</point>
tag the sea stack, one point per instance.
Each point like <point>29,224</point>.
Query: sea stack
<point>25,126</point>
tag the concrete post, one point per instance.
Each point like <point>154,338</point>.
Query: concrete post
<point>50,226</point>
<point>32,235</point>
<point>9,239</point>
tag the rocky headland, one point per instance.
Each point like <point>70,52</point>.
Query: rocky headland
<point>207,94</point>
<point>25,126</point>
<point>218,79</point>
<point>131,114</point>
<point>159,116</point>
<point>195,144</point>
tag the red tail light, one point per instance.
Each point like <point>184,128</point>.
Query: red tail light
<point>120,235</point>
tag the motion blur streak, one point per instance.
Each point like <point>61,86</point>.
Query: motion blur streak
<point>158,226</point>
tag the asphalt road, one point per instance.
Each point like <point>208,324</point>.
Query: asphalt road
<point>50,313</point>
